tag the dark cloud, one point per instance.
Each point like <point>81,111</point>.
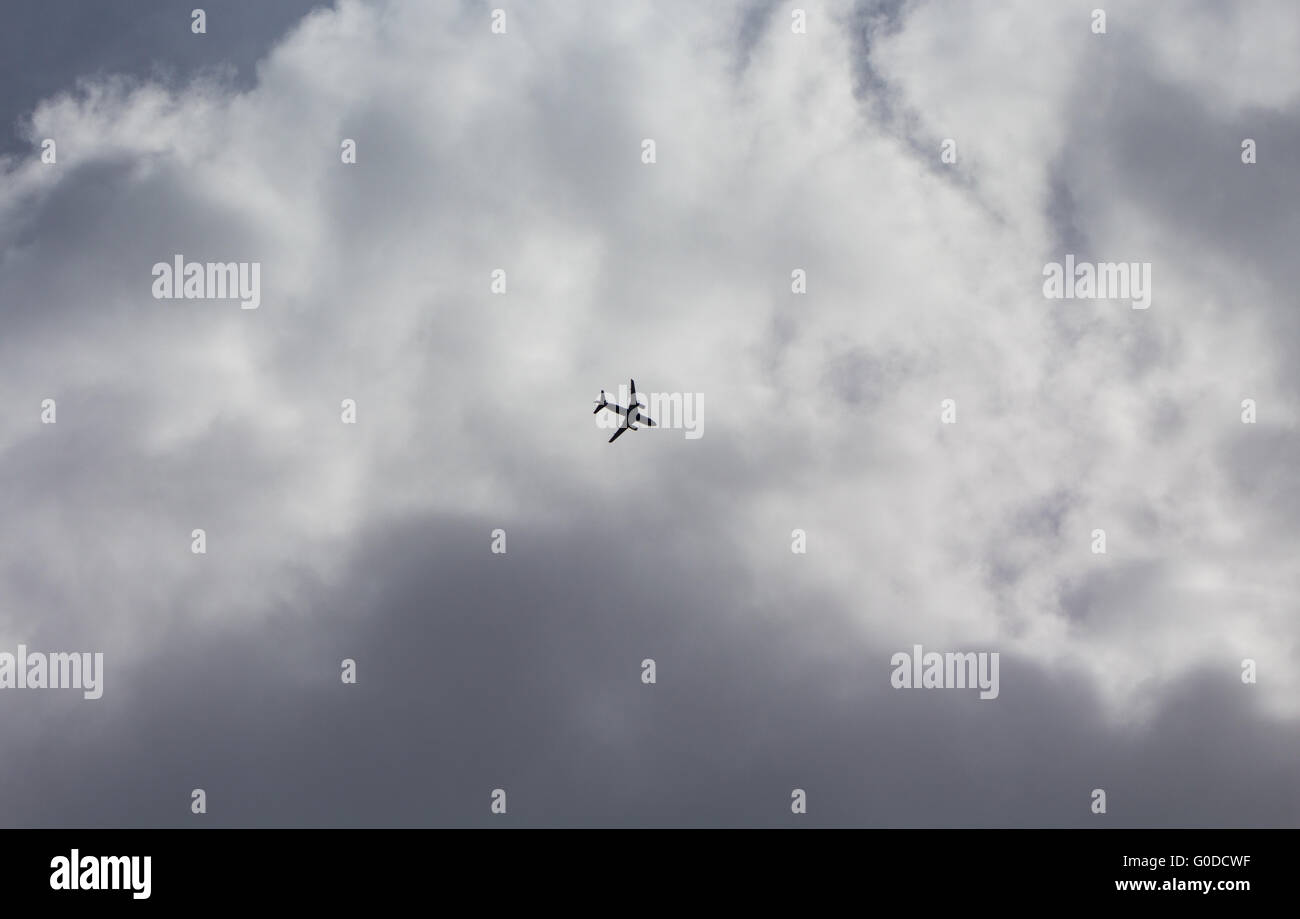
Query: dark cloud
<point>46,47</point>
<point>479,671</point>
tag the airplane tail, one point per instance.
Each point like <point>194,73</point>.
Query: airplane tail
<point>602,403</point>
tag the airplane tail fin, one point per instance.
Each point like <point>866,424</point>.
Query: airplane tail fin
<point>602,403</point>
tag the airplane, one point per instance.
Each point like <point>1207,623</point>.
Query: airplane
<point>631,415</point>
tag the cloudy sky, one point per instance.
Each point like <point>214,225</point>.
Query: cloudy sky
<point>775,150</point>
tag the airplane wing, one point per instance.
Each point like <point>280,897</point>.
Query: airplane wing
<point>617,434</point>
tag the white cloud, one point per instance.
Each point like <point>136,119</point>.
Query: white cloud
<point>522,151</point>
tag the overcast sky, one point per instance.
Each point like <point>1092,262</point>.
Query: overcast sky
<point>775,150</point>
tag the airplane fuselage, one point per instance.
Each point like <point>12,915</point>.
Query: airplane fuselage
<point>630,415</point>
